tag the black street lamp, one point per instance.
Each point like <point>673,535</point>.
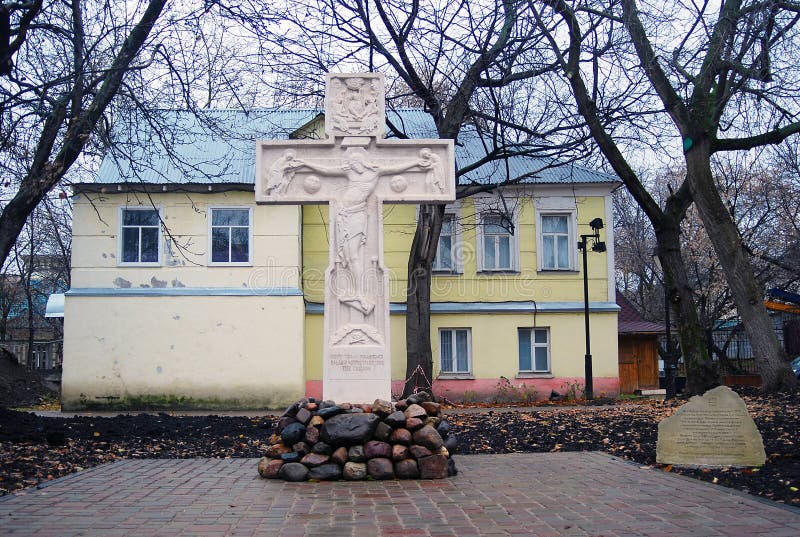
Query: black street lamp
<point>597,246</point>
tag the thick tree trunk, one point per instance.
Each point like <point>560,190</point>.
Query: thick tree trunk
<point>701,375</point>
<point>419,359</point>
<point>745,290</point>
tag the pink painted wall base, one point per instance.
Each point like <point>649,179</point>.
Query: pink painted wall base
<point>501,390</point>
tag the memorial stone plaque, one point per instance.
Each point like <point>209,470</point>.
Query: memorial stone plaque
<point>711,430</point>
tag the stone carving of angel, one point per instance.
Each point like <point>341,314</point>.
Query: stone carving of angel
<point>434,178</point>
<point>281,172</point>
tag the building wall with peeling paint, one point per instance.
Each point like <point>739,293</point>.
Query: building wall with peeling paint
<point>276,241</point>
<point>183,334</point>
<point>186,334</point>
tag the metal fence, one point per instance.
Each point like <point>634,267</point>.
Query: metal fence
<point>46,355</point>
<point>731,351</point>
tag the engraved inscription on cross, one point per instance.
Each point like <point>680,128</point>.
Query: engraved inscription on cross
<point>355,169</point>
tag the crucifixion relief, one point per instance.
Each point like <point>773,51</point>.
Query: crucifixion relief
<point>355,170</point>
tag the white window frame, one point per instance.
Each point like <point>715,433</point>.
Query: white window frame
<point>209,217</point>
<point>557,206</point>
<point>571,242</point>
<point>513,244</point>
<point>533,346</point>
<point>120,214</point>
<point>455,374</point>
<point>456,244</point>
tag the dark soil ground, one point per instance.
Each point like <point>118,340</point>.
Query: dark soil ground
<point>19,385</point>
<point>35,449</point>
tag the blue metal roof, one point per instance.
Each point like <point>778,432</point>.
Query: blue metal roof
<point>218,146</point>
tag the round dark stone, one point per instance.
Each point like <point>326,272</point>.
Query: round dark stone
<point>428,437</point>
<point>451,468</point>
<point>340,456</point>
<point>396,419</point>
<point>322,448</point>
<point>301,447</point>
<point>303,416</point>
<point>423,397</point>
<point>292,410</point>
<point>433,467</point>
<point>326,472</point>
<point>376,449</point>
<point>290,457</point>
<point>382,432</point>
<point>400,436</point>
<point>443,429</point>
<point>285,422</point>
<point>293,471</point>
<point>380,469</point>
<point>293,433</point>
<point>419,397</point>
<point>406,469</point>
<point>451,444</point>
<point>354,471</point>
<point>312,435</point>
<point>315,459</point>
<point>419,451</point>
<point>356,454</point>
<point>349,429</point>
<point>327,403</point>
<point>329,411</point>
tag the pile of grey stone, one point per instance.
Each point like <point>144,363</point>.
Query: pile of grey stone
<point>327,441</point>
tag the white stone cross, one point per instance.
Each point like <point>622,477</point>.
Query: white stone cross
<point>355,170</point>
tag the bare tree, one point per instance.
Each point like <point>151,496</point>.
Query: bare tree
<point>760,200</point>
<point>71,59</point>
<point>466,63</point>
<point>37,267</point>
<point>722,77</point>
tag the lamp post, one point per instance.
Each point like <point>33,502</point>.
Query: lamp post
<point>597,246</point>
<point>670,353</point>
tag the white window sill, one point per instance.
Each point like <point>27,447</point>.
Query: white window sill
<point>533,375</point>
<point>447,273</point>
<point>223,264</point>
<point>456,376</point>
<point>492,272</point>
<point>135,264</point>
<point>558,271</point>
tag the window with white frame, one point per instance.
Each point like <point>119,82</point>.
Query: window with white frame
<point>455,351</point>
<point>445,251</point>
<point>556,243</point>
<point>534,350</point>
<point>497,243</point>
<point>140,236</point>
<point>230,235</point>
<point>40,357</point>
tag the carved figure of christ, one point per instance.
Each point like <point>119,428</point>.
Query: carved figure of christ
<point>355,171</point>
<point>353,214</point>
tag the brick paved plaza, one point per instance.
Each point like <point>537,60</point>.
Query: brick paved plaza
<point>516,495</point>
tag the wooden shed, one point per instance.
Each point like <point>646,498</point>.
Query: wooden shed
<point>638,349</point>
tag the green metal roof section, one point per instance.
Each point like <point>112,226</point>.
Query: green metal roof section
<point>218,147</point>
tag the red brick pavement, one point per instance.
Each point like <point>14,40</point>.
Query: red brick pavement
<point>512,495</point>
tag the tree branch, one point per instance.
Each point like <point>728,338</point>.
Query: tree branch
<point>743,144</point>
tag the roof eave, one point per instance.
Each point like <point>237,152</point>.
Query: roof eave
<point>153,188</point>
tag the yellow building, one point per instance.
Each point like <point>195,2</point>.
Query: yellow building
<point>185,293</point>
